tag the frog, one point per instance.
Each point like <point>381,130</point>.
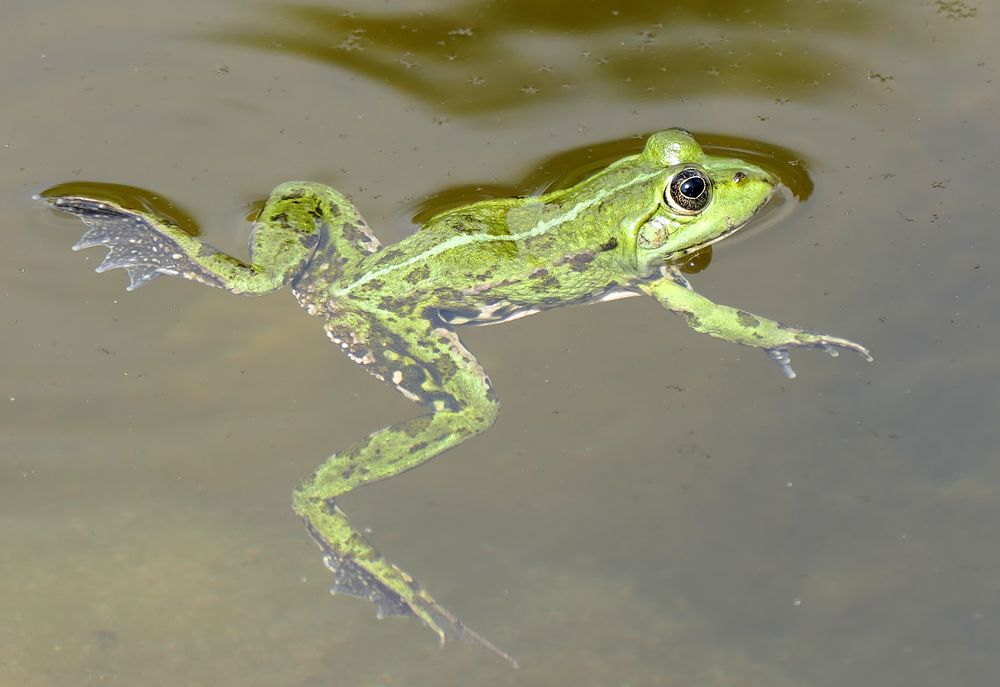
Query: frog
<point>624,231</point>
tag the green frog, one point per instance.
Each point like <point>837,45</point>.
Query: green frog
<point>394,309</point>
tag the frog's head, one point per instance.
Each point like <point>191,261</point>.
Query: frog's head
<point>697,200</point>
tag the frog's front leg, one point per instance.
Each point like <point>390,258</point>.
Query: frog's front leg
<point>427,363</point>
<point>739,326</point>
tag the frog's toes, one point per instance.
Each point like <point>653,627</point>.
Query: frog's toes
<point>832,345</point>
<point>783,359</point>
<point>829,345</point>
<point>401,597</point>
<point>827,348</point>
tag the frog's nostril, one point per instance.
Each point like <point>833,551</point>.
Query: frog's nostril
<point>739,177</point>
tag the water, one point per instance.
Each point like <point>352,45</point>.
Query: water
<point>653,507</point>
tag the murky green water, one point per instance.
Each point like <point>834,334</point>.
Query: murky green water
<point>653,507</point>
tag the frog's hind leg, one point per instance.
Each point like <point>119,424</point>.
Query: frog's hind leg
<point>290,227</point>
<point>344,240</point>
<point>427,363</point>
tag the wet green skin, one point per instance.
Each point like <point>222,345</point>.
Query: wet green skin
<point>393,309</point>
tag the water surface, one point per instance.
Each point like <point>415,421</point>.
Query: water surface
<point>653,507</point>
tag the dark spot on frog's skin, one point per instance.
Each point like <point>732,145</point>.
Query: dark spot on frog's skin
<point>354,456</point>
<point>386,303</point>
<point>540,273</point>
<point>678,278</point>
<point>293,195</point>
<point>376,284</point>
<point>416,426</point>
<point>309,241</point>
<point>610,245</point>
<point>447,367</point>
<point>352,233</point>
<point>580,261</point>
<point>550,283</point>
<point>389,255</point>
<point>739,177</point>
<point>692,320</point>
<point>448,402</point>
<point>747,320</point>
<point>508,282</point>
<point>413,372</point>
<point>412,381</point>
<point>405,308</point>
<point>418,274</point>
<point>281,218</point>
<point>418,447</point>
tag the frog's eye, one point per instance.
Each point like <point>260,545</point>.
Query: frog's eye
<point>689,191</point>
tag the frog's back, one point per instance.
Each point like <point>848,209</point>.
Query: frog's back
<point>462,246</point>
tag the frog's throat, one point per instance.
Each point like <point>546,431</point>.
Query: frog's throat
<point>537,230</point>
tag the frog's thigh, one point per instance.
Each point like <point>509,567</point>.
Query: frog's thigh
<point>426,362</point>
<point>346,237</point>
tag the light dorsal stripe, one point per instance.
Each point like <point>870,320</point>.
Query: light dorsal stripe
<point>464,239</point>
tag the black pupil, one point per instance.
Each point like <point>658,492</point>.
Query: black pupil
<point>692,187</point>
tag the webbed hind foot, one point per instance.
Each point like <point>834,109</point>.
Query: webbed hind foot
<point>393,591</point>
<point>145,245</point>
